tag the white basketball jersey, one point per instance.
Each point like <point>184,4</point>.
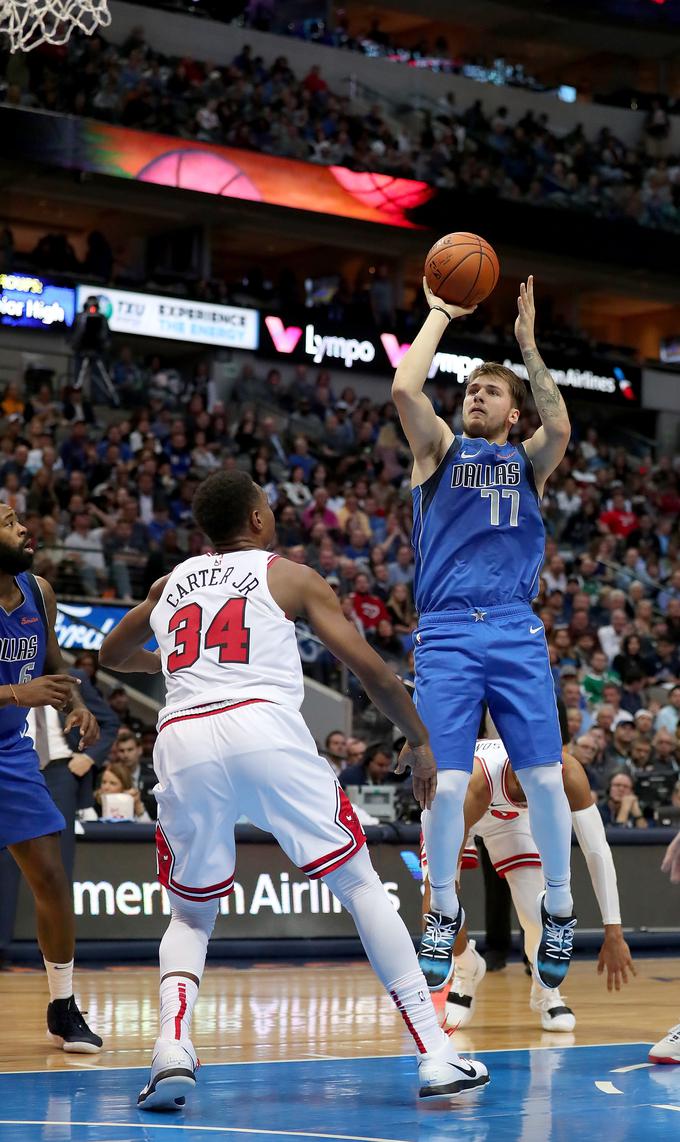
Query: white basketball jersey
<point>493,758</point>
<point>222,637</point>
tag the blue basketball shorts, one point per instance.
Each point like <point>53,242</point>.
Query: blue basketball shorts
<point>498,655</point>
<point>26,807</point>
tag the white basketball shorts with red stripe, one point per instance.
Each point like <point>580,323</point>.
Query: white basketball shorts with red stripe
<point>256,759</point>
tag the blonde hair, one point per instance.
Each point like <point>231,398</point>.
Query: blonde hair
<point>518,388</point>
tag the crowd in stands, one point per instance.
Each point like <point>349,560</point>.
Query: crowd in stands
<point>267,108</point>
<point>375,42</point>
<point>107,500</point>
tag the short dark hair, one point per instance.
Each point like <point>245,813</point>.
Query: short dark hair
<point>619,773</point>
<point>518,388</point>
<point>223,502</point>
<point>375,748</point>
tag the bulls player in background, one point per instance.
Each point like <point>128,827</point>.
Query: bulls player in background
<point>29,820</point>
<point>479,545</point>
<point>495,810</point>
<point>231,741</point>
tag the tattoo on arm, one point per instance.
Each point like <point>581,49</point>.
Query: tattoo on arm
<point>549,402</point>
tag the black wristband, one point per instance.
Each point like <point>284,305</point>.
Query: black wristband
<point>446,315</point>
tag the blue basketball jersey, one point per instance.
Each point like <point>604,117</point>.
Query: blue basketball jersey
<point>478,534</point>
<point>23,644</point>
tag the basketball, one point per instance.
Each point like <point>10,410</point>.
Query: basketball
<point>462,269</point>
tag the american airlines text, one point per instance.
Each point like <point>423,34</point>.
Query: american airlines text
<point>274,895</point>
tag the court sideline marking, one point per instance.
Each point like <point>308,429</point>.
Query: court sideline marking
<point>190,1126</point>
<point>336,1058</point>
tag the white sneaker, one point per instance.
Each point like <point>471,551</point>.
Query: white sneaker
<point>555,1015</point>
<point>460,1002</point>
<point>172,1078</point>
<point>667,1050</point>
<point>447,1074</point>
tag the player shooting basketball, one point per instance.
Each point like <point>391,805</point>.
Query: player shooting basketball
<point>479,544</point>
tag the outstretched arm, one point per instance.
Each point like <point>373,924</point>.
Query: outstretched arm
<point>428,435</point>
<point>123,647</point>
<point>300,591</point>
<point>549,443</point>
<point>615,958</point>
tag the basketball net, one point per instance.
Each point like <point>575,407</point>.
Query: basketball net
<point>28,23</point>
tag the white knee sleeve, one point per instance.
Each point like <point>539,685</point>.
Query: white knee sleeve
<point>382,931</point>
<point>185,943</point>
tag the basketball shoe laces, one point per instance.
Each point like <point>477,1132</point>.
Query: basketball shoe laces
<point>438,938</point>
<point>559,939</point>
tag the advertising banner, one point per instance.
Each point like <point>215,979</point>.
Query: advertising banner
<point>368,351</point>
<point>176,318</point>
<point>206,168</point>
<point>83,626</point>
<point>117,897</point>
<point>116,894</point>
<point>35,303</point>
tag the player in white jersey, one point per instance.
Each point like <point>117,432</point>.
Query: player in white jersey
<point>232,741</point>
<point>496,811</point>
<point>667,1050</point>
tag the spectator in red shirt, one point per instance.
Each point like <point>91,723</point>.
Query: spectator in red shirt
<point>369,608</point>
<point>619,520</point>
<point>314,82</point>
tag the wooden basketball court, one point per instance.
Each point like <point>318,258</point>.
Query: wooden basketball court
<point>306,1010</point>
<point>316,1050</point>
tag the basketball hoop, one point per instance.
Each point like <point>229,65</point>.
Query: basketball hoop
<point>28,23</point>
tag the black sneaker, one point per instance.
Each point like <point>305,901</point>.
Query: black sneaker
<point>68,1030</point>
<point>436,947</point>
<point>556,947</point>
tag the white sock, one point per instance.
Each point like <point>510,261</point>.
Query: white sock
<point>178,996</point>
<point>59,979</point>
<point>389,948</point>
<point>550,822</point>
<point>444,829</point>
<point>414,1004</point>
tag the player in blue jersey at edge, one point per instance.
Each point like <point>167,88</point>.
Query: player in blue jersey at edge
<point>30,822</point>
<point>479,544</point>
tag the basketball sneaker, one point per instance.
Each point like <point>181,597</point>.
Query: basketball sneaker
<point>556,947</point>
<point>446,1073</point>
<point>555,1015</point>
<point>460,1002</point>
<point>67,1028</point>
<point>436,947</point>
<point>172,1078</point>
<point>667,1050</point>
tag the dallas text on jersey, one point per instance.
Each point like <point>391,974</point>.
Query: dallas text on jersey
<point>18,649</point>
<point>485,475</point>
